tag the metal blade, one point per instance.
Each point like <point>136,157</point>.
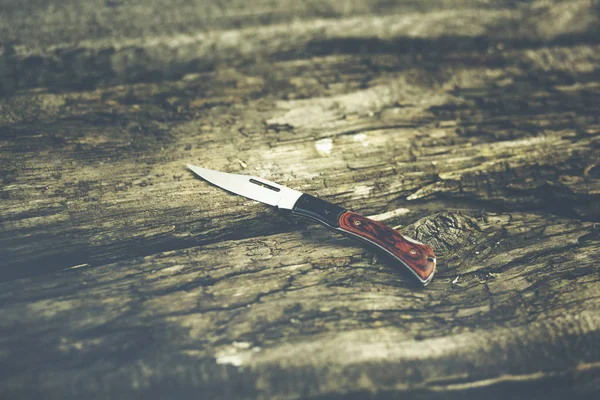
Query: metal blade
<point>252,187</point>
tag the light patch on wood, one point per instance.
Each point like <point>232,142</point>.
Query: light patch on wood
<point>197,325</point>
<point>50,308</point>
<point>77,266</point>
<point>438,134</point>
<point>315,112</point>
<point>390,214</point>
<point>362,139</point>
<point>242,345</point>
<point>470,311</point>
<point>324,146</point>
<point>587,366</point>
<point>308,116</point>
<point>68,345</point>
<point>578,86</point>
<point>236,354</point>
<point>194,353</point>
<point>492,381</point>
<point>361,191</point>
<point>35,222</point>
<point>171,270</point>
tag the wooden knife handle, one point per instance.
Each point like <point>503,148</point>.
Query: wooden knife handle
<point>417,257</point>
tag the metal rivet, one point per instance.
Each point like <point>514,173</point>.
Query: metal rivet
<point>356,223</point>
<point>413,252</point>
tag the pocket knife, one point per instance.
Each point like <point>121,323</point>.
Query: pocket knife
<point>417,257</point>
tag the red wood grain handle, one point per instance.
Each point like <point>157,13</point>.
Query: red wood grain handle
<point>417,257</point>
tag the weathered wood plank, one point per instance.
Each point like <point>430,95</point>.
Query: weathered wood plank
<point>43,47</point>
<point>127,160</point>
<point>512,304</point>
<point>472,126</point>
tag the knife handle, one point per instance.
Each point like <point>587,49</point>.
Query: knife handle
<point>417,257</point>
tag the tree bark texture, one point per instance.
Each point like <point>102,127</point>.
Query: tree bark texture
<point>468,125</point>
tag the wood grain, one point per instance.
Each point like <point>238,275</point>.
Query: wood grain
<point>468,125</point>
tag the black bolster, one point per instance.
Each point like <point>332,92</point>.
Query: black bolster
<point>319,210</point>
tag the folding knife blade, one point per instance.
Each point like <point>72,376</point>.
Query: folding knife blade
<point>252,187</point>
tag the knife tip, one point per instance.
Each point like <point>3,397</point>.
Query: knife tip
<point>193,168</point>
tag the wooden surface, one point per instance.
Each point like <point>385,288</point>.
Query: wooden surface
<point>472,126</point>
